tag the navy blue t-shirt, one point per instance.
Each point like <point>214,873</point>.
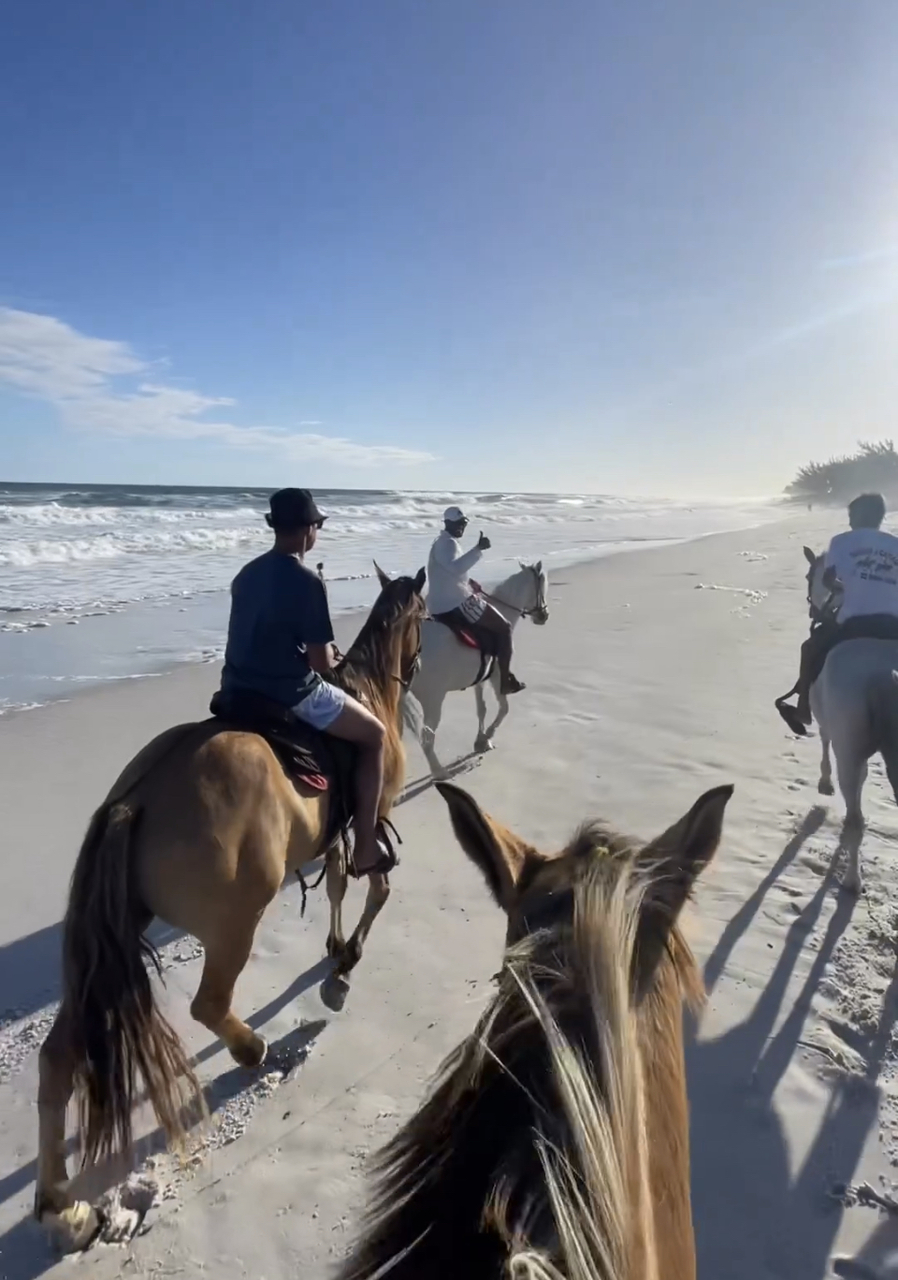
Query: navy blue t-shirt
<point>278,606</point>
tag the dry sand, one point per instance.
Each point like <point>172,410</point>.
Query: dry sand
<point>644,688</point>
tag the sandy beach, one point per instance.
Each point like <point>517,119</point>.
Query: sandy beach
<point>653,680</point>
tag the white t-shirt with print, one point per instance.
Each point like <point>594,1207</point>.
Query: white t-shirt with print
<point>866,564</point>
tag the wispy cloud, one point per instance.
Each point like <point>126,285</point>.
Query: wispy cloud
<point>104,386</point>
<point>885,253</point>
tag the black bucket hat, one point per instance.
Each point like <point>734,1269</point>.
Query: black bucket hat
<point>293,509</point>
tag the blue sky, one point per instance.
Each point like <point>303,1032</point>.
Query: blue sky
<point>644,248</point>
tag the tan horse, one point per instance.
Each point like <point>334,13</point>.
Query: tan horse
<point>555,1144</point>
<point>200,831</point>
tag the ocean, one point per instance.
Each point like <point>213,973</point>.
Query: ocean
<point>116,582</point>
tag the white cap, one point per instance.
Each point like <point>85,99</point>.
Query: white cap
<point>452,515</point>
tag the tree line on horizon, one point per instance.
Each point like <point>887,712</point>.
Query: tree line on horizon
<point>874,467</point>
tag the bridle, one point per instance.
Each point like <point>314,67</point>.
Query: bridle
<point>539,610</point>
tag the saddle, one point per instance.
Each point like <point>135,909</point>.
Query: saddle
<point>484,643</point>
<point>307,756</point>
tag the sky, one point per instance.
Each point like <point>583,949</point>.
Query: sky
<point>643,248</point>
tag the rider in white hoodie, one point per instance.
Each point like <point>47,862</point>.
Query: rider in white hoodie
<point>457,601</point>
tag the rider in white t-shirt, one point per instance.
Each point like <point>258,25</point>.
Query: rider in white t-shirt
<point>864,563</point>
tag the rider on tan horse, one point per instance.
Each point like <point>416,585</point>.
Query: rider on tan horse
<point>459,602</point>
<point>281,643</point>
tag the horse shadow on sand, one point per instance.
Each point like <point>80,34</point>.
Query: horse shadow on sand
<point>762,1209</point>
<point>25,1250</point>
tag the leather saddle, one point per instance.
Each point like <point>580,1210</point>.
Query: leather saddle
<point>306,755</point>
<point>483,643</point>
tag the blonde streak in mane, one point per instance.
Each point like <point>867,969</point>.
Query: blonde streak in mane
<point>599,1193</point>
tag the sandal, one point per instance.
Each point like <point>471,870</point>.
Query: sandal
<point>388,859</point>
<point>792,719</point>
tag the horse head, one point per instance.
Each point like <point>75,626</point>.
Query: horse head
<point>821,598</point>
<point>534,591</point>
<point>396,617</point>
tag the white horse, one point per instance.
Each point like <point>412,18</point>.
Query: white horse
<point>855,704</point>
<point>447,664</point>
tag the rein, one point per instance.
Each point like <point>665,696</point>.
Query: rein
<point>539,607</point>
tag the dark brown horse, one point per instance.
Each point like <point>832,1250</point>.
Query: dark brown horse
<point>555,1143</point>
<point>200,831</point>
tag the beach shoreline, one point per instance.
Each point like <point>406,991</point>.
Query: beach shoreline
<point>207,629</point>
<point>652,681</point>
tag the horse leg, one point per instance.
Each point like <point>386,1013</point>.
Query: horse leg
<point>482,741</point>
<point>75,1221</point>
<point>852,772</point>
<point>825,785</point>
<point>433,711</point>
<point>378,892</point>
<point>502,702</point>
<point>336,892</point>
<point>226,956</point>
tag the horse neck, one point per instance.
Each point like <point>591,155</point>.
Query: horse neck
<point>464,1184</point>
<point>512,597</point>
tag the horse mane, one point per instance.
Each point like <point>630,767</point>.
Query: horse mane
<point>369,667</point>
<point>523,1159</point>
<point>370,673</point>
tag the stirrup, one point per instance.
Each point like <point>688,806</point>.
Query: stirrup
<point>388,860</point>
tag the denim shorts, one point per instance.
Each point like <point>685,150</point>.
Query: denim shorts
<point>322,706</point>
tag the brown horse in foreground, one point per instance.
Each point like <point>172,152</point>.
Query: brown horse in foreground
<point>200,831</point>
<point>555,1144</point>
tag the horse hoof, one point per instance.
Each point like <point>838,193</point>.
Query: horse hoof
<point>826,788</point>
<point>352,954</point>
<point>852,884</point>
<point>74,1228</point>
<point>482,745</point>
<point>252,1053</point>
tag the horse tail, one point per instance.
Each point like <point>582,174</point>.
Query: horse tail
<point>116,1029</point>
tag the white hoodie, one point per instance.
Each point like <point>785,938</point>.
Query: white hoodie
<point>447,574</point>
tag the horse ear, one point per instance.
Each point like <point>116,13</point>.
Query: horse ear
<point>809,556</point>
<point>420,579</point>
<point>497,852</point>
<point>384,577</point>
<point>538,566</point>
<point>673,862</point>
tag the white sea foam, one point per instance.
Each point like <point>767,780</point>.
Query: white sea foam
<point>97,554</point>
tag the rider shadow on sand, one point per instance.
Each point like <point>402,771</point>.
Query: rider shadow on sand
<point>761,1207</point>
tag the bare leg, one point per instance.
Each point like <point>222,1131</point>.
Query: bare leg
<point>226,957</point>
<point>356,724</point>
